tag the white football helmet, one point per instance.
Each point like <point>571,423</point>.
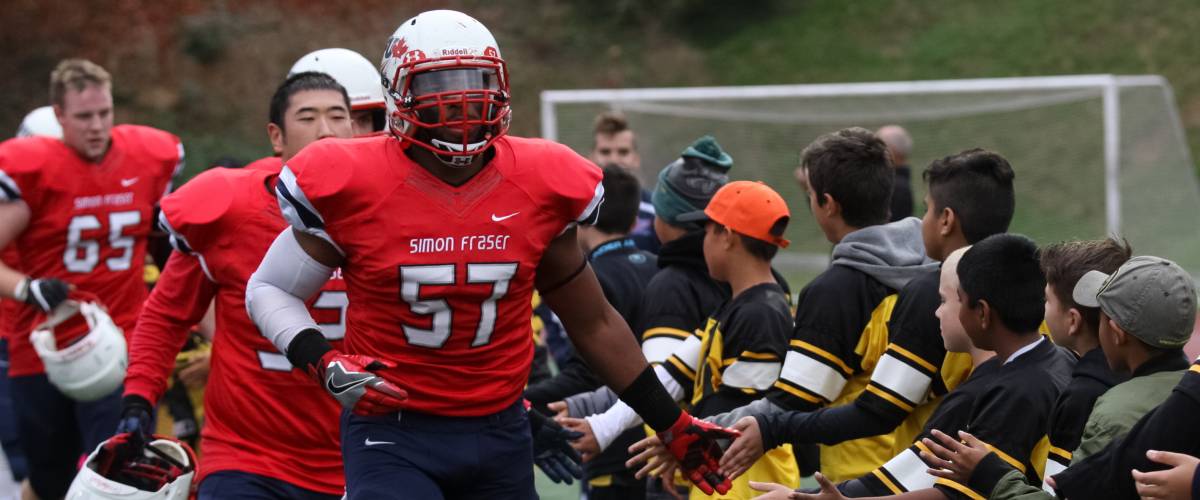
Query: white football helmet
<point>40,121</point>
<point>91,367</point>
<point>351,70</point>
<point>163,471</point>
<point>446,85</point>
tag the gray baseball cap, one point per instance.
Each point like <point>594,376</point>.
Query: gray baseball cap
<point>1151,298</point>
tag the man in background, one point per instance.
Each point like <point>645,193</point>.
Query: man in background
<point>899,145</point>
<point>615,143</point>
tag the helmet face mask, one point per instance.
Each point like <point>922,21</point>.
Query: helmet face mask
<point>455,104</point>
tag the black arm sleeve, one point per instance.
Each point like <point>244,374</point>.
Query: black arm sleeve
<point>828,426</point>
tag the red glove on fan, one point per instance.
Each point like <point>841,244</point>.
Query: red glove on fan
<point>694,444</point>
<point>349,379</point>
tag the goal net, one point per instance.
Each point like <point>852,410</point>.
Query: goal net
<point>1094,154</point>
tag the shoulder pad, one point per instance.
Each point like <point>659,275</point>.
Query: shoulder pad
<point>158,144</point>
<point>192,212</point>
<point>271,164</point>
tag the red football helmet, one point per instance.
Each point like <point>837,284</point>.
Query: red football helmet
<point>446,86</point>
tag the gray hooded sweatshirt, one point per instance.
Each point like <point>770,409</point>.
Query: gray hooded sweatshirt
<point>892,253</point>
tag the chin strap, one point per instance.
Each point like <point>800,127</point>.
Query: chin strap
<point>452,160</point>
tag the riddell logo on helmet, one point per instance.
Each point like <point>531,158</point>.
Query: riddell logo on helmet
<point>456,52</point>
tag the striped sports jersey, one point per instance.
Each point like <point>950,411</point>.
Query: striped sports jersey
<point>1005,404</point>
<point>915,370</point>
<point>739,357</point>
<point>840,333</point>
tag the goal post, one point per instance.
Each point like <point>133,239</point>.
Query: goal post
<point>1094,154</point>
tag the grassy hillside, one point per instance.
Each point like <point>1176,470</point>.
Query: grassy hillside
<point>832,41</point>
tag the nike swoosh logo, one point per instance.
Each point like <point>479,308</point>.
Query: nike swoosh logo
<point>368,442</point>
<point>496,218</point>
<point>338,389</point>
<point>129,182</point>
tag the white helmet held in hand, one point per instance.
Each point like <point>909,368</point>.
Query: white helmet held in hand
<point>163,470</point>
<point>91,367</point>
<point>42,121</point>
<point>353,71</point>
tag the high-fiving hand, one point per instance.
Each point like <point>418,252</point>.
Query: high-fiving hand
<point>693,442</point>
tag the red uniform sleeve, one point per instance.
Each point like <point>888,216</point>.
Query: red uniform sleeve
<point>178,302</point>
<point>19,169</point>
<point>575,182</point>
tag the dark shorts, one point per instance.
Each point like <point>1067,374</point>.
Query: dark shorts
<point>231,484</point>
<point>9,434</point>
<point>56,431</point>
<point>428,457</point>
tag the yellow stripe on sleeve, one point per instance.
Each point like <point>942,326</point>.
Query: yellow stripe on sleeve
<point>666,331</point>
<point>887,482</point>
<point>1007,458</point>
<point>912,357</point>
<point>800,394</point>
<point>1195,368</point>
<point>1060,453</point>
<point>824,354</point>
<point>679,365</point>
<point>890,398</point>
<point>960,488</point>
<point>762,356</point>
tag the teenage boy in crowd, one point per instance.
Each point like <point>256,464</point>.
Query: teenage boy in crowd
<point>969,197</point>
<point>1077,328</point>
<point>1009,398</point>
<point>623,272</point>
<point>1141,337</point>
<point>679,298</point>
<point>741,349</point>
<point>842,315</point>
<point>841,328</point>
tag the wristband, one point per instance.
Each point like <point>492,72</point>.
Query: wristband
<point>650,400</point>
<point>307,348</point>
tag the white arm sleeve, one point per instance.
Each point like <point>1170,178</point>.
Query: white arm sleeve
<point>276,292</point>
<point>610,424</point>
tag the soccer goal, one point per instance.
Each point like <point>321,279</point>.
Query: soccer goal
<point>1094,154</point>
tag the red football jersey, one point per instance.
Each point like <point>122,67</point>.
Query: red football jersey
<point>88,222</point>
<point>282,425</point>
<point>271,164</point>
<point>440,278</point>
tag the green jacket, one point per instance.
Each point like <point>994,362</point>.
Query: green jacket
<point>1113,415</point>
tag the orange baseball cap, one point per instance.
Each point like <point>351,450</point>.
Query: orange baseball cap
<point>747,207</point>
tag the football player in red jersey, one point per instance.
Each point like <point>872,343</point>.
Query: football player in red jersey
<point>443,230</point>
<point>275,438</point>
<point>78,211</point>
<point>361,80</point>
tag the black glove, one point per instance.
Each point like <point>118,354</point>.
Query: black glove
<point>552,451</point>
<point>137,420</point>
<point>45,293</point>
